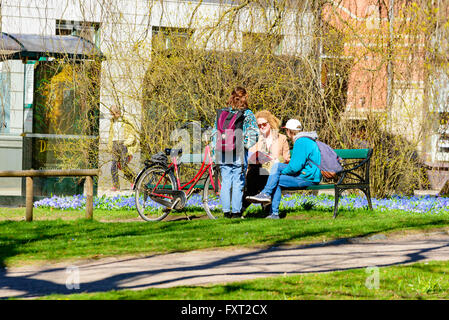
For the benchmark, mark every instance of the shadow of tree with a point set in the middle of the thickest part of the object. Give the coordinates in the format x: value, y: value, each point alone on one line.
x: 29, y: 286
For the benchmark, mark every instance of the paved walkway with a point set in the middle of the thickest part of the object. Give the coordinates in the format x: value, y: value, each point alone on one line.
x: 219, y: 266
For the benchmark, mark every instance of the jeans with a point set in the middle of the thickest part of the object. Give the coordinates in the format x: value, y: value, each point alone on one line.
x: 232, y: 185
x: 276, y: 180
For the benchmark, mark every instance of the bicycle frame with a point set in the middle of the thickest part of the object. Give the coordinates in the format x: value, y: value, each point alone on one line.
x: 206, y: 165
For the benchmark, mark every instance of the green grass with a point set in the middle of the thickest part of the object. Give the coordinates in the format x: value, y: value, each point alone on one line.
x: 52, y: 214
x: 69, y: 237
x: 428, y: 280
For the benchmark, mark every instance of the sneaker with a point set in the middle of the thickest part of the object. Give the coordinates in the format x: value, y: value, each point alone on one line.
x: 273, y: 216
x: 227, y: 215
x: 236, y: 215
x: 261, y: 197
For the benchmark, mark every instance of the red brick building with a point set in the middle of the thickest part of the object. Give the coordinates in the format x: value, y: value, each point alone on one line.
x: 399, y: 62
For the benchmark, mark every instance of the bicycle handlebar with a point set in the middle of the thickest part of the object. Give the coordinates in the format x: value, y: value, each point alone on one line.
x: 178, y: 152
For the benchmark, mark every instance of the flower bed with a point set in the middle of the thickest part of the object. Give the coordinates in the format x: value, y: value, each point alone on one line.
x: 421, y: 204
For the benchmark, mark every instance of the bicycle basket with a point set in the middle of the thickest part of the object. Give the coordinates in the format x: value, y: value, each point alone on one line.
x: 160, y: 158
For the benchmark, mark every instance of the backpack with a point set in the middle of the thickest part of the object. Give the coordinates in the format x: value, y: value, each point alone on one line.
x: 330, y: 161
x: 227, y: 124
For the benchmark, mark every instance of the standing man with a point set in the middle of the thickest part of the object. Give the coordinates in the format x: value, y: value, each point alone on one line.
x: 298, y: 173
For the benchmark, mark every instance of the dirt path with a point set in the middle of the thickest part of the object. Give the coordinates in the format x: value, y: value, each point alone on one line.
x: 219, y: 266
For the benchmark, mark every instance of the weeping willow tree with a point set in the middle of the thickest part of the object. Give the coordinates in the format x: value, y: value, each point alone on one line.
x: 272, y: 49
x: 305, y: 60
x: 359, y: 73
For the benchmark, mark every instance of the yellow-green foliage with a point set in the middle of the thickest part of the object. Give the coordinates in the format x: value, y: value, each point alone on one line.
x: 193, y: 76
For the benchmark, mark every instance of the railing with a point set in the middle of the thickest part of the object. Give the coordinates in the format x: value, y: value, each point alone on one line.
x: 30, y: 174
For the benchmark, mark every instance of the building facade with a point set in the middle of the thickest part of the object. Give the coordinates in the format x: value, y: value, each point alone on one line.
x: 398, y: 55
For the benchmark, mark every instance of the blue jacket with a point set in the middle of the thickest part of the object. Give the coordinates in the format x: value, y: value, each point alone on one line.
x: 303, y: 150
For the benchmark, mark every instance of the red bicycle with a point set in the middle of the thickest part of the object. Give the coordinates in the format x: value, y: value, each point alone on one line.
x: 159, y: 182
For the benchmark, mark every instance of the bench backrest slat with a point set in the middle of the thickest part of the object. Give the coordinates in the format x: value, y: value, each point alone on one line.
x: 352, y: 153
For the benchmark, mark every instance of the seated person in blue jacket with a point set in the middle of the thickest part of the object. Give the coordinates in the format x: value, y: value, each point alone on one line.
x: 298, y: 173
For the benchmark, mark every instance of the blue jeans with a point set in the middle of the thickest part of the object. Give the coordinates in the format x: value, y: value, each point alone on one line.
x: 232, y: 185
x: 276, y: 181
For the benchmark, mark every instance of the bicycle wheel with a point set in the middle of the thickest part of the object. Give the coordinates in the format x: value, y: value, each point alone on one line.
x: 211, y: 197
x: 153, y: 207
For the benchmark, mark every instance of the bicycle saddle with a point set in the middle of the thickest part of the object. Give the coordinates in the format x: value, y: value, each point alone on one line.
x: 159, y: 157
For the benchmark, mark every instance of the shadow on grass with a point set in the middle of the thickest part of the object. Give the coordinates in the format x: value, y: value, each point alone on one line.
x: 154, y: 272
x: 162, y: 271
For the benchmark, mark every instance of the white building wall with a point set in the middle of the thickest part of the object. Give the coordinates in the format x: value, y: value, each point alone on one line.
x: 16, y: 69
x: 28, y: 16
x: 11, y: 143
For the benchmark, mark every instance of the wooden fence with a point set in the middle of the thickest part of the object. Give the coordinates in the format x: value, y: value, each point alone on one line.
x: 30, y: 174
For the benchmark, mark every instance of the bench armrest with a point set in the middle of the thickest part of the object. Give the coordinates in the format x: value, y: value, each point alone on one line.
x: 364, y: 162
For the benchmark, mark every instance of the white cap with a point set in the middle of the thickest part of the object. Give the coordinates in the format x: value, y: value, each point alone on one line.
x: 293, y: 124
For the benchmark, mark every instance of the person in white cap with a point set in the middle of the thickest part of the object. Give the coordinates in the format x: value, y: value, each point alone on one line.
x: 298, y: 173
x: 293, y: 125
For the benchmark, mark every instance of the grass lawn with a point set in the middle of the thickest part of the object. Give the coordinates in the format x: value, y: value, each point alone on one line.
x: 428, y: 280
x: 57, y: 235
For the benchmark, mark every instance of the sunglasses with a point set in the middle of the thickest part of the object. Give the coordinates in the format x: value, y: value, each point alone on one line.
x: 262, y: 125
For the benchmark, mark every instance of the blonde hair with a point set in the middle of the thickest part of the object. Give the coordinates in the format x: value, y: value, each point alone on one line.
x: 271, y: 118
x: 115, y: 109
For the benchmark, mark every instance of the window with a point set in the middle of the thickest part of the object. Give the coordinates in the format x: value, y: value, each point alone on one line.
x: 87, y: 30
x: 439, y: 104
x: 164, y: 38
x: 65, y: 122
x: 262, y: 43
x: 443, y: 131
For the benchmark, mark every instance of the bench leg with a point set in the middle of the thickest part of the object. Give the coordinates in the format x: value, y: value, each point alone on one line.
x: 368, y: 197
x: 337, y: 197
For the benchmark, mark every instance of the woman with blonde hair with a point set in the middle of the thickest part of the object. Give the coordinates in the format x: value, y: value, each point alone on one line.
x: 270, y: 143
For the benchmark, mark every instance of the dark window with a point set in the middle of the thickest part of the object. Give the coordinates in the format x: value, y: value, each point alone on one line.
x: 164, y: 38
x: 87, y: 30
x: 443, y: 130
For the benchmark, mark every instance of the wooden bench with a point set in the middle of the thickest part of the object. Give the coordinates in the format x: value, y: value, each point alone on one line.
x: 356, y: 163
